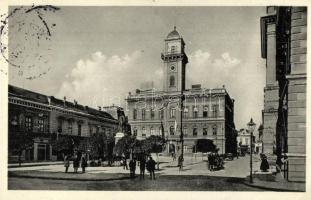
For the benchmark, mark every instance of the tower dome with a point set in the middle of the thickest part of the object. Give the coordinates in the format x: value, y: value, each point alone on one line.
x: 173, y: 35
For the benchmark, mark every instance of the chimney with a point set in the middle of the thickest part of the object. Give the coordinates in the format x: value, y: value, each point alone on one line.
x: 64, y: 101
x: 49, y: 100
x: 75, y: 102
x: 99, y: 108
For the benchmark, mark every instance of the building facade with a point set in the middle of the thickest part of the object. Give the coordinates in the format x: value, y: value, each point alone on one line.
x: 206, y: 113
x: 284, y: 46
x: 42, y: 117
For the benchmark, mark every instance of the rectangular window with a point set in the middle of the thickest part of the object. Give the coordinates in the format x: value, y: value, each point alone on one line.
x: 214, y: 130
x: 185, y: 131
x: 79, y: 129
x: 151, y: 113
x: 135, y: 132
x: 185, y: 113
x: 152, y: 131
x: 173, y: 113
x: 70, y: 127
x: 205, y: 111
x: 28, y: 123
x: 173, y: 49
x: 204, y: 131
x: 143, y: 114
x: 143, y: 132
x: 195, y: 112
x: 195, y: 131
x: 161, y: 114
x: 215, y: 109
x: 41, y: 125
x: 134, y: 114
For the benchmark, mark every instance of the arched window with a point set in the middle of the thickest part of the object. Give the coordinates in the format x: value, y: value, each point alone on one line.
x: 172, y: 81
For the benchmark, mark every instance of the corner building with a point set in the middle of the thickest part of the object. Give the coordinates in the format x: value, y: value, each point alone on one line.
x: 284, y: 46
x: 207, y: 113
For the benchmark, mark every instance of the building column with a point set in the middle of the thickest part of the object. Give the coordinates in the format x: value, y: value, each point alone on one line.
x: 35, y: 152
x: 271, y: 91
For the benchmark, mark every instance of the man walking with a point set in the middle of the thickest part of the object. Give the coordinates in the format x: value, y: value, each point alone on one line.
x: 83, y: 163
x: 142, y: 167
x: 132, y: 166
x: 66, y: 163
x: 151, y: 167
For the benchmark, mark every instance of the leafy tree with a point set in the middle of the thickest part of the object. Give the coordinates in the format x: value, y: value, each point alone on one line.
x: 129, y: 145
x: 63, y: 145
x: 205, y: 145
x: 154, y: 144
x: 20, y: 142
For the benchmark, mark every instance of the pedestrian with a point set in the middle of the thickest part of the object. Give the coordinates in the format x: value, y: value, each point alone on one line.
x: 66, y: 163
x: 124, y: 163
x: 76, y: 163
x: 264, y: 166
x: 142, y: 167
x: 132, y: 166
x: 174, y: 156
x: 180, y: 162
x: 83, y: 163
x: 151, y: 167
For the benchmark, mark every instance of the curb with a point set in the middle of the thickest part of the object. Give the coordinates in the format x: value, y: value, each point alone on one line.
x: 33, y: 165
x: 69, y: 179
x: 246, y: 182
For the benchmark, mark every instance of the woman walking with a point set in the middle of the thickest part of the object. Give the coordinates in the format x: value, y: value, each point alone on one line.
x: 66, y: 163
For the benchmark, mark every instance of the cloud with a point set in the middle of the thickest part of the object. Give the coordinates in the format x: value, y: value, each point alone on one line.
x: 210, y: 72
x: 102, y: 80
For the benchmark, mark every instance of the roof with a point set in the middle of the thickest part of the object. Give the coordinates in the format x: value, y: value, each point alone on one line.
x: 173, y: 35
x: 41, y: 98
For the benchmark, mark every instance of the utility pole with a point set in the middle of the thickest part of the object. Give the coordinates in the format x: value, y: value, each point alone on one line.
x: 181, y: 131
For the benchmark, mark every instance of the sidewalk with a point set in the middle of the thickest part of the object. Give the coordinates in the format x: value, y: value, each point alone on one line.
x: 277, y: 185
x: 32, y: 164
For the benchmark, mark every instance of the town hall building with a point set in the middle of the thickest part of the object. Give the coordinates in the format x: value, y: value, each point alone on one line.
x: 207, y: 113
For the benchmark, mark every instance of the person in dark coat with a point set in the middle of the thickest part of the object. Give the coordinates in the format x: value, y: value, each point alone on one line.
x: 66, y: 163
x: 83, y: 163
x: 180, y: 162
x: 124, y: 163
x: 76, y: 163
x: 142, y: 167
x: 264, y: 166
x: 151, y: 167
x: 132, y: 166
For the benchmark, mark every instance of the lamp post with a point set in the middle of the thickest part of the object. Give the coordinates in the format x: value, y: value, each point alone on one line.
x: 251, y: 127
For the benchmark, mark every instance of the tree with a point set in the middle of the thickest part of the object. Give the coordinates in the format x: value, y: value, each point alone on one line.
x: 63, y: 145
x: 205, y: 145
x: 19, y: 142
x: 154, y: 144
x: 98, y: 145
x: 129, y: 146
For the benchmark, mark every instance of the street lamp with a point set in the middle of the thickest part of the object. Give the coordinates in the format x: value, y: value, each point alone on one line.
x: 251, y: 127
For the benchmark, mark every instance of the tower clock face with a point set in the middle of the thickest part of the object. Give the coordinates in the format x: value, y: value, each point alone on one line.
x: 173, y: 67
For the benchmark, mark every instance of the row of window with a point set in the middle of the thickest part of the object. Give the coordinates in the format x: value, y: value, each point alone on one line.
x: 172, y: 131
x: 173, y: 113
x: 29, y: 124
x: 92, y: 130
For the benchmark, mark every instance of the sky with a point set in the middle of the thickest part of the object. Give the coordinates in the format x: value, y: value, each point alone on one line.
x: 96, y: 55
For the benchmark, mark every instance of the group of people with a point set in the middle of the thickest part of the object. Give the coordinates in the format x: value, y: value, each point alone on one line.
x: 76, y: 162
x: 143, y: 164
x: 215, y: 161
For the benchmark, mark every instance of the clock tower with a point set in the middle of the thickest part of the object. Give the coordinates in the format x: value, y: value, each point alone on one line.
x: 175, y: 61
